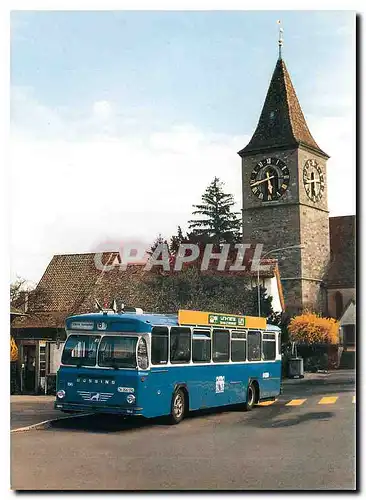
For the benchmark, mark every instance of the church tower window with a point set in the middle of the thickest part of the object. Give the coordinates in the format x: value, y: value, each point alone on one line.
x: 338, y: 298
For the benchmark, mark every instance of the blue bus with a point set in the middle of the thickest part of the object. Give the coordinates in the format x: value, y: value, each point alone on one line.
x: 132, y: 363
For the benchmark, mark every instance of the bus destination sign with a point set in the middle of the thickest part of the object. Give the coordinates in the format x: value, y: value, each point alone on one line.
x: 186, y: 317
x: 226, y: 320
x: 82, y: 325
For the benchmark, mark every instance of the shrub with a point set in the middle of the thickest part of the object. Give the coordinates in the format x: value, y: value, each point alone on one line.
x: 309, y: 328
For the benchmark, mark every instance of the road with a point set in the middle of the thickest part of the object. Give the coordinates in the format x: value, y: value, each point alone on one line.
x: 301, y: 441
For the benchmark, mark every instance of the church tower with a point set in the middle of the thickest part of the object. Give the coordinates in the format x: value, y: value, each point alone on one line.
x: 284, y: 185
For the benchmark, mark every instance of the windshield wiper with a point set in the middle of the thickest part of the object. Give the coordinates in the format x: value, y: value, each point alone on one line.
x: 81, y: 365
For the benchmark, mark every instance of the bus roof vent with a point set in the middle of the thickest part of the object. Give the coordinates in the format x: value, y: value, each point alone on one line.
x: 119, y: 307
x: 136, y: 310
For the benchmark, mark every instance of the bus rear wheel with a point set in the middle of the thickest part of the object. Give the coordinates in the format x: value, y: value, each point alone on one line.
x: 251, y: 397
x: 177, y: 407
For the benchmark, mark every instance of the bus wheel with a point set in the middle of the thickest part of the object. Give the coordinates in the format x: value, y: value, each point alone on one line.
x: 251, y: 397
x: 178, y: 407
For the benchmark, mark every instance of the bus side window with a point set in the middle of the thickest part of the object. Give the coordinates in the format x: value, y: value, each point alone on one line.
x: 254, y: 345
x: 269, y: 346
x: 159, y: 345
x: 180, y: 344
x: 238, y: 345
x: 221, y: 345
x: 201, y: 346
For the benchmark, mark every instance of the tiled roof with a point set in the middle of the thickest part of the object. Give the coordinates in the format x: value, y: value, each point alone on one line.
x: 15, y: 312
x: 341, y: 272
x: 71, y: 283
x: 281, y: 122
x: 39, y: 319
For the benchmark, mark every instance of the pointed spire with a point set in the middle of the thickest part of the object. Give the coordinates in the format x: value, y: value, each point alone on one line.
x: 280, y: 40
x: 281, y: 123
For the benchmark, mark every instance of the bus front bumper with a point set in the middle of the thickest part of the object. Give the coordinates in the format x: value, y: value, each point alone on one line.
x: 77, y: 407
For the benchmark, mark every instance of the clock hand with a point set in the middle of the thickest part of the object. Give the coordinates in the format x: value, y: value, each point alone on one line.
x: 270, y: 188
x: 263, y: 180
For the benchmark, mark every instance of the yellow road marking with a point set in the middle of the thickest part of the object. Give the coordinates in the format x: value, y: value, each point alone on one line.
x: 354, y: 399
x: 266, y: 403
x: 328, y: 400
x: 295, y: 402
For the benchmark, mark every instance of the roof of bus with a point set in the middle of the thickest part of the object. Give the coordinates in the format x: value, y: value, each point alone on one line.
x: 148, y: 318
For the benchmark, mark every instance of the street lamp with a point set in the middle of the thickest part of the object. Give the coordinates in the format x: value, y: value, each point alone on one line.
x: 292, y: 247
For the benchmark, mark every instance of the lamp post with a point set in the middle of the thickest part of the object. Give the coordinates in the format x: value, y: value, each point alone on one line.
x: 292, y: 247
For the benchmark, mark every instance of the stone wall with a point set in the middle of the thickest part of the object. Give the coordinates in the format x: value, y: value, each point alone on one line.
x: 292, y: 220
x: 347, y: 295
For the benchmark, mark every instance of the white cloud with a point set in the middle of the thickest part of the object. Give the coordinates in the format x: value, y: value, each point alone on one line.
x: 75, y: 196
x: 336, y: 136
x: 102, y: 110
x: 30, y: 117
x: 180, y: 139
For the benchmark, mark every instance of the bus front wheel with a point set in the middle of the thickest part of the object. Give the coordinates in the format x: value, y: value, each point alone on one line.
x: 178, y: 407
x: 251, y: 397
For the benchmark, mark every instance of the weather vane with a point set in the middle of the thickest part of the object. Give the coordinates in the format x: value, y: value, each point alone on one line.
x: 280, y: 39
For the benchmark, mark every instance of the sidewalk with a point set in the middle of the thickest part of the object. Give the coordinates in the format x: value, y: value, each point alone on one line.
x: 333, y: 376
x: 29, y: 410
x: 28, y: 398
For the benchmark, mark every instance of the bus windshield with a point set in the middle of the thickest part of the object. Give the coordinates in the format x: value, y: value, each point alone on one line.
x: 117, y: 352
x: 80, y: 350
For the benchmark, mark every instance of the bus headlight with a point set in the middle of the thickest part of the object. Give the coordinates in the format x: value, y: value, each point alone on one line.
x: 61, y: 394
x: 131, y: 398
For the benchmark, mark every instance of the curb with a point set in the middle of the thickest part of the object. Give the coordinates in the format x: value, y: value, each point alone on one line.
x: 46, y: 424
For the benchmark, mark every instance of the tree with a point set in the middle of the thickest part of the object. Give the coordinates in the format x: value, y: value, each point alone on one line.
x: 309, y: 328
x: 220, y: 224
x: 158, y: 241
x: 266, y: 303
x: 176, y: 240
x: 24, y: 295
x: 192, y: 289
x: 16, y: 288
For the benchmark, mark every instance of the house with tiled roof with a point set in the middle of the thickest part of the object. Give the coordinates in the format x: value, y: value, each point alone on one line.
x: 72, y: 283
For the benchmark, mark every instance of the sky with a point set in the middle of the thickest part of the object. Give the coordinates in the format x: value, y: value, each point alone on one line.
x: 120, y: 119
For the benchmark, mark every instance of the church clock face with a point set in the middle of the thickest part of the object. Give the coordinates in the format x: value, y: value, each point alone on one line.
x: 270, y: 179
x: 313, y: 180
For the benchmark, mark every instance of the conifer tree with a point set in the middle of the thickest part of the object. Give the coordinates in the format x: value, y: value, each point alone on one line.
x: 158, y: 241
x: 176, y: 240
x: 219, y: 224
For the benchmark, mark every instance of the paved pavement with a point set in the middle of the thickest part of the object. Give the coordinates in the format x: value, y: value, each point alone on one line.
x: 304, y: 440
x: 29, y: 410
